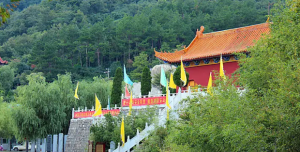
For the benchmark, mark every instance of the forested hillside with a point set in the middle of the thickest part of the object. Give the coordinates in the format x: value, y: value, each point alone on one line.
x: 86, y: 36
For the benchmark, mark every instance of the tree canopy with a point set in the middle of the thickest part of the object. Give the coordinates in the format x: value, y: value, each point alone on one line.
x: 117, y: 87
x: 146, y: 81
x: 177, y: 77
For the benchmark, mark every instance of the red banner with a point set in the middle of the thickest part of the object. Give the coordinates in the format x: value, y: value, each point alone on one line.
x: 144, y: 101
x: 86, y: 114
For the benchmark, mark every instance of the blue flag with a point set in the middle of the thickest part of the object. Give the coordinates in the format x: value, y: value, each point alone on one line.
x: 126, y: 78
x: 163, y: 79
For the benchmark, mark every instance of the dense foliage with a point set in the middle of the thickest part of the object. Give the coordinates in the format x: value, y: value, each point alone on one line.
x: 7, y: 127
x: 117, y: 87
x: 6, y: 81
x: 46, y: 108
x: 272, y: 76
x: 146, y: 81
x: 140, y: 62
x: 44, y: 111
x: 108, y: 130
x: 262, y: 117
x: 155, y: 141
x: 85, y: 37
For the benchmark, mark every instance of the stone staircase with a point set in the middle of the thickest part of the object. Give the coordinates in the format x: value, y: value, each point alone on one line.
x: 78, y: 135
x: 174, y: 101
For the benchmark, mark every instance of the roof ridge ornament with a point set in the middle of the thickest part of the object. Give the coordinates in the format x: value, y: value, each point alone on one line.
x: 200, y: 33
x: 268, y: 20
x: 184, y: 49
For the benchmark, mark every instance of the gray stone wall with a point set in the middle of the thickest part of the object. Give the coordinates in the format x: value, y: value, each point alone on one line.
x: 78, y: 135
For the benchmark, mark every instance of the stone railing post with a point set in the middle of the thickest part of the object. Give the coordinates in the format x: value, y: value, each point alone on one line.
x: 55, y: 147
x: 32, y: 145
x: 44, y: 145
x: 38, y: 144
x: 60, y: 142
x: 72, y: 113
x: 65, y: 141
x: 128, y: 144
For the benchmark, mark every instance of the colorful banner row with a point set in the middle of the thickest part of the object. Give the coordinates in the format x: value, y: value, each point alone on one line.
x: 86, y: 114
x: 144, y: 101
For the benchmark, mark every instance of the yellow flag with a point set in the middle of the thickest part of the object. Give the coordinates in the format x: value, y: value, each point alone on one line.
x: 167, y: 96
x: 172, y: 84
x: 76, y: 95
x: 168, y: 114
x: 130, y: 105
x: 209, y: 86
x: 182, y: 74
x: 222, y: 75
x: 123, y: 132
x: 98, y: 109
x: 97, y: 103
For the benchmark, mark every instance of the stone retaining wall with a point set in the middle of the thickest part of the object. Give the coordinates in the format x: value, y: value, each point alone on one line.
x: 78, y: 135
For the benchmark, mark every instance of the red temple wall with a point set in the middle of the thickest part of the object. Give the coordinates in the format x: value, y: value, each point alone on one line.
x: 200, y: 74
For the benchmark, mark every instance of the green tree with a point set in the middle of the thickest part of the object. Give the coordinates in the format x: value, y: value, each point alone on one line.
x: 117, y: 87
x: 64, y: 86
x: 177, y: 76
x: 7, y: 74
x: 139, y: 63
x: 7, y: 128
x: 45, y: 54
x: 273, y: 82
x: 99, y: 86
x: 6, y: 83
x: 146, y: 81
x: 219, y: 122
x: 38, y: 113
x: 113, y: 67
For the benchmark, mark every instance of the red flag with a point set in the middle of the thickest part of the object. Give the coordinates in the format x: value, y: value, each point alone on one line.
x: 127, y: 94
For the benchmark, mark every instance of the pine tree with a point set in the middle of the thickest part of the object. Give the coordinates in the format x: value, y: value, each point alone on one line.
x: 146, y: 81
x: 117, y: 87
x: 176, y: 77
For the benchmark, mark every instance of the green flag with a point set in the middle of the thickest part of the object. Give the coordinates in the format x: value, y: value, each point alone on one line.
x: 163, y: 79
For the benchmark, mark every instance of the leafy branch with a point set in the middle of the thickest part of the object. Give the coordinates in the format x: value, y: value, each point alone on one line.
x: 5, y: 11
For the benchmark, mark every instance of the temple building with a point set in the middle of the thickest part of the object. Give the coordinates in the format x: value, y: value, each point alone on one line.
x: 202, y: 56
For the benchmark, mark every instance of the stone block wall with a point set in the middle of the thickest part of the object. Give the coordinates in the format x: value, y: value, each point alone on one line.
x: 78, y: 135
